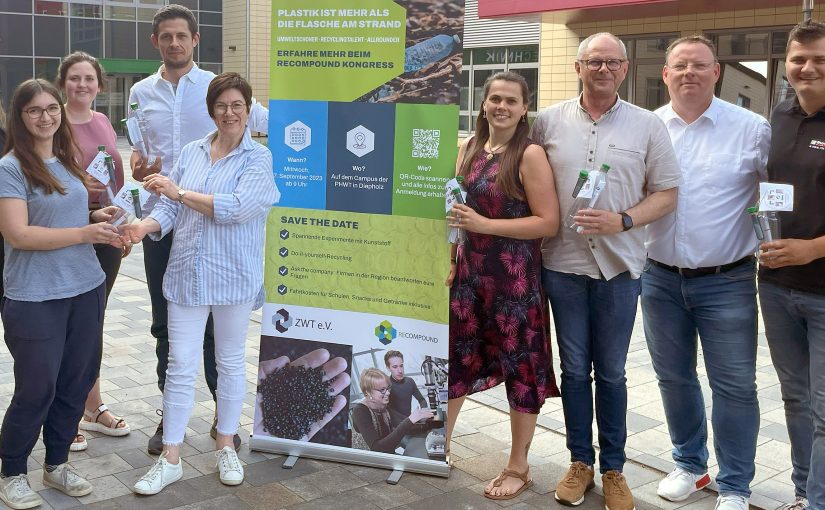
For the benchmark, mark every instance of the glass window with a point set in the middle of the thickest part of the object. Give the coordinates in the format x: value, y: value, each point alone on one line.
x: 780, y: 41
x: 192, y: 4
x: 13, y: 71
x: 120, y: 39
x: 57, y: 43
x: 652, y: 48
x: 531, y: 74
x: 212, y: 5
x: 523, y: 54
x: 782, y: 89
x: 15, y: 6
x: 215, y: 68
x: 211, y: 18
x: 46, y: 68
x: 17, y: 35
x: 86, y: 11
x: 86, y: 35
x: 144, y: 45
x: 479, y: 77
x: 742, y: 44
x: 53, y: 8
x: 119, y: 12
x: 146, y: 14
x: 747, y: 79
x: 464, y: 90
x: 482, y: 56
x: 210, y: 45
x: 651, y: 91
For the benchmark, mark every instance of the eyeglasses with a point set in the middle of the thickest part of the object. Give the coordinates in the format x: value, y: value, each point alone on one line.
x: 236, y: 107
x: 594, y: 64
x: 35, y: 112
x: 699, y: 67
x: 383, y: 391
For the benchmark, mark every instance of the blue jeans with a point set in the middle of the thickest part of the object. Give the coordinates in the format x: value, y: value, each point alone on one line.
x: 594, y: 320
x: 721, y: 308
x: 795, y: 327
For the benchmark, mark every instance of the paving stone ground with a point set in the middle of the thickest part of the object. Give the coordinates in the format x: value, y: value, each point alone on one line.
x: 480, y: 448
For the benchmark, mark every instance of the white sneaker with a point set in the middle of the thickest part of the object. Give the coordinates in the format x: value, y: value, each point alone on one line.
x: 159, y: 476
x: 731, y: 502
x: 16, y: 493
x: 680, y: 484
x: 229, y: 467
x: 799, y: 503
x: 67, y: 481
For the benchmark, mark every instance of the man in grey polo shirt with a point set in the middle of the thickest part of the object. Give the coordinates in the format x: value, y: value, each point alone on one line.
x: 592, y: 276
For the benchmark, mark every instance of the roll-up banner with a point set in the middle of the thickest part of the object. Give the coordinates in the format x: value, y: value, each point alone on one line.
x: 363, y: 131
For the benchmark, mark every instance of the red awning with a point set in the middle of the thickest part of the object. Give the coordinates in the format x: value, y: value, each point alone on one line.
x: 493, y: 8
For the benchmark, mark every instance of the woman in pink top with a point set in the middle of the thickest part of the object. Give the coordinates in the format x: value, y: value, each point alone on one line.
x: 80, y: 77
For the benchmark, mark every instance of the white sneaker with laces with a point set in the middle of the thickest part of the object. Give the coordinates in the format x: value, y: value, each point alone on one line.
x: 67, y: 480
x: 229, y: 466
x: 799, y: 503
x: 731, y: 502
x: 680, y: 484
x: 159, y: 476
x: 16, y: 493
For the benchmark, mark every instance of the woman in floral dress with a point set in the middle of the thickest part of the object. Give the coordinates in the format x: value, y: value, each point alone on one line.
x: 498, y: 311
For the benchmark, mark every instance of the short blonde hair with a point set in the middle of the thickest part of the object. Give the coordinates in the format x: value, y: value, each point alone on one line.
x: 370, y: 377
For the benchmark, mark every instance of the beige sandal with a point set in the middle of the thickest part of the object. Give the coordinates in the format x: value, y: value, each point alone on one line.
x: 508, y: 473
x: 94, y: 424
x: 79, y: 444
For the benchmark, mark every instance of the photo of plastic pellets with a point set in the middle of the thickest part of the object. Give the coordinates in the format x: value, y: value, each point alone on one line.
x: 432, y: 58
x: 303, y: 387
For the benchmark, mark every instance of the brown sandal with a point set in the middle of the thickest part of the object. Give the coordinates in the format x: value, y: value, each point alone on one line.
x: 508, y: 473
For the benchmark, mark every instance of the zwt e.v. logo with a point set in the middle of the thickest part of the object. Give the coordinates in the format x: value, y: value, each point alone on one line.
x: 282, y: 320
x: 385, y: 332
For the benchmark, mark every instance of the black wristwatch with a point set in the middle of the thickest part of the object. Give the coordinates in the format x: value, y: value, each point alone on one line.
x: 627, y: 222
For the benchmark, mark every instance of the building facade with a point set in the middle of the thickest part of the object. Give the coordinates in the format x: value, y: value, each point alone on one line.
x: 750, y: 36
x: 36, y: 34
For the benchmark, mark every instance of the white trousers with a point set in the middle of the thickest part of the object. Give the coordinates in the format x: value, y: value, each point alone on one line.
x: 186, y: 327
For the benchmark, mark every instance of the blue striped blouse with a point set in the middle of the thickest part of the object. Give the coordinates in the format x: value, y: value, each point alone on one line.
x: 218, y: 261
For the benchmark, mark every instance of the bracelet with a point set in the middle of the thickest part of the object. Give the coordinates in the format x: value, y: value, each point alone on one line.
x: 453, y: 261
x: 91, y: 211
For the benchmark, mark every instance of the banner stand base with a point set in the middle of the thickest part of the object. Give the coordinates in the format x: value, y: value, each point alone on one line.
x: 397, y: 463
x: 395, y: 476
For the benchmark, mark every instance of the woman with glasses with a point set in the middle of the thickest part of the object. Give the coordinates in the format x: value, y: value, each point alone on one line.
x: 54, y: 292
x: 80, y: 77
x: 216, y: 199
x: 383, y: 428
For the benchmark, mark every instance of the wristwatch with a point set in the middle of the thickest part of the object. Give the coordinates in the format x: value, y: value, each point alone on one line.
x: 627, y: 222
x: 181, y: 194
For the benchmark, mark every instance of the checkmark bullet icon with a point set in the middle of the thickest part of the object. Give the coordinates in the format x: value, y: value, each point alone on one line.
x: 283, y: 252
x: 282, y: 289
x: 283, y: 270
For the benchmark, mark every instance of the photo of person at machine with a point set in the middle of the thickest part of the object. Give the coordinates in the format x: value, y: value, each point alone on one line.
x: 379, y: 427
x: 403, y: 388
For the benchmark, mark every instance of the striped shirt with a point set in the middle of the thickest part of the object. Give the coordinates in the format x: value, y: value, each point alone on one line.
x: 218, y: 261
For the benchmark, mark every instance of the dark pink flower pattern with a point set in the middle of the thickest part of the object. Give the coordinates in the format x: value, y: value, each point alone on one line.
x: 499, y: 317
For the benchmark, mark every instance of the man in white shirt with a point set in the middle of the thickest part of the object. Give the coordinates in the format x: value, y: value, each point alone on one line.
x: 700, y: 279
x: 174, y: 103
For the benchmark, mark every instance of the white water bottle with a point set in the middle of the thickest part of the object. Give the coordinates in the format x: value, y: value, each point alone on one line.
x: 587, y: 196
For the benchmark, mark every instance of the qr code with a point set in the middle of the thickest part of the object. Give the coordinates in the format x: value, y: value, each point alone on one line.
x: 425, y: 143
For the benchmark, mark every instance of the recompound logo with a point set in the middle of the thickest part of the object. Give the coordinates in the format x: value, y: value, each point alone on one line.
x: 385, y: 332
x: 282, y: 320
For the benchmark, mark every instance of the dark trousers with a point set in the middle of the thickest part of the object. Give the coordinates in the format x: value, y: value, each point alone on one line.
x: 56, y: 350
x: 109, y: 258
x: 155, y: 260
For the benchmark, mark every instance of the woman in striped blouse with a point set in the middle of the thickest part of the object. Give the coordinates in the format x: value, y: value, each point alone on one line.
x: 216, y: 199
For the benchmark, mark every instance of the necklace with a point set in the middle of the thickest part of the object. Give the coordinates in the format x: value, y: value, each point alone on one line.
x: 491, y: 150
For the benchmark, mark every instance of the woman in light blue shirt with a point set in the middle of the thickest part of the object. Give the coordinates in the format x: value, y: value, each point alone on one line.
x: 216, y: 198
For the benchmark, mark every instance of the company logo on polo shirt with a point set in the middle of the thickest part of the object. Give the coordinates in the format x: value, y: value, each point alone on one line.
x: 386, y: 333
x: 817, y: 144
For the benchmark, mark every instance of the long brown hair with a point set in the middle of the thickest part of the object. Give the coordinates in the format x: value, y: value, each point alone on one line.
x: 21, y: 142
x: 507, y: 177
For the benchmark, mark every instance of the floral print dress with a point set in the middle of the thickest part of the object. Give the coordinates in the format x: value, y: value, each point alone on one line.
x: 499, y: 316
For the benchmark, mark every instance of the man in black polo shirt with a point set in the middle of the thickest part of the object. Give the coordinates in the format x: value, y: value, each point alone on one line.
x: 792, y: 273
x: 403, y: 388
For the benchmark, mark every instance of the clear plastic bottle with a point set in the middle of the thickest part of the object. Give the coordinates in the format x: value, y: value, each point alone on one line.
x: 457, y: 235
x: 589, y: 191
x: 111, y: 189
x: 431, y: 50
x: 136, y: 129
